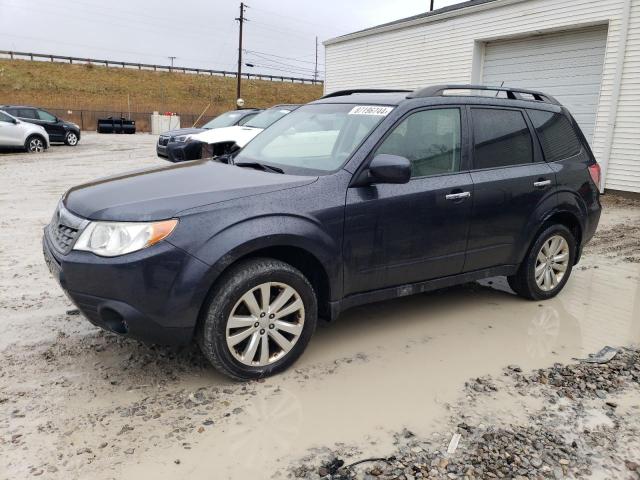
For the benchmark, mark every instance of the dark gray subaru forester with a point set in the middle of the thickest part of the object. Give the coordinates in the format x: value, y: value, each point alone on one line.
x: 358, y: 197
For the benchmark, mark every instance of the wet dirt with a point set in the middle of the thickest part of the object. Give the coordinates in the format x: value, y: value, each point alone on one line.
x: 76, y: 402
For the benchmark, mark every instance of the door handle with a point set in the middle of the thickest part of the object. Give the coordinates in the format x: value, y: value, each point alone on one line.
x: 542, y: 183
x: 458, y: 196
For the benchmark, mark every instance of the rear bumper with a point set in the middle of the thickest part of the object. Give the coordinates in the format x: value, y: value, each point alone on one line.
x: 593, y: 219
x: 153, y: 295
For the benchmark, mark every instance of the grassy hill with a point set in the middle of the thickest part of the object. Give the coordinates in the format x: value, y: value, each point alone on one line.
x: 62, y: 88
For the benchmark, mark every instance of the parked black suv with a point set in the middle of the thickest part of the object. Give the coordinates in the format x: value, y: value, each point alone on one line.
x: 60, y: 131
x: 357, y: 197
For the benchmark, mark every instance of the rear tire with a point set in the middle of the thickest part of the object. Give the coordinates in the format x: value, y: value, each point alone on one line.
x: 259, y: 319
x: 71, y: 139
x: 35, y: 144
x: 547, y: 266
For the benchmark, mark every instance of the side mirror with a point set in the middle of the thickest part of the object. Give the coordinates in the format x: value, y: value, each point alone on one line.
x: 389, y: 169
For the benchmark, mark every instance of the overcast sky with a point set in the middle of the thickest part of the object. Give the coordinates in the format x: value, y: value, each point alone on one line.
x: 280, y: 34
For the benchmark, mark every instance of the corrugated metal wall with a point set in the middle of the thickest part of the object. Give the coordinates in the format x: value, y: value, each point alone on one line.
x: 443, y: 50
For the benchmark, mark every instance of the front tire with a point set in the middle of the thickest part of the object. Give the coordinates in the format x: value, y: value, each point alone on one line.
x: 35, y: 144
x: 259, y: 319
x: 71, y: 139
x: 548, y: 265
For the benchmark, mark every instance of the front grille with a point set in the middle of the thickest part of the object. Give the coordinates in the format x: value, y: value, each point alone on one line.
x: 64, y: 237
x: 163, y: 141
x: 64, y: 229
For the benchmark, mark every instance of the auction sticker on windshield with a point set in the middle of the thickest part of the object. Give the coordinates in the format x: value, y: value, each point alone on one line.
x: 370, y: 110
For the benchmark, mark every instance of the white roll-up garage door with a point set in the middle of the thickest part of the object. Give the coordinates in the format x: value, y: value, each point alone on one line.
x: 567, y: 65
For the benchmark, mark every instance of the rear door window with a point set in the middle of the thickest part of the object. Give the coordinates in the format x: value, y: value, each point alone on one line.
x: 557, y: 136
x: 27, y: 113
x: 501, y: 138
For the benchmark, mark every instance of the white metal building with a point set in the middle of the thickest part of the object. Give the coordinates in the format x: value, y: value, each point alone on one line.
x: 584, y: 52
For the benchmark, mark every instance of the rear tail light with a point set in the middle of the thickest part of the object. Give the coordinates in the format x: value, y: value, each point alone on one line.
x: 595, y: 172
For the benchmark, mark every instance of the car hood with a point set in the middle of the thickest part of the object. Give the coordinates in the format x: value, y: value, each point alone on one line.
x: 182, y: 131
x: 238, y: 134
x: 161, y: 193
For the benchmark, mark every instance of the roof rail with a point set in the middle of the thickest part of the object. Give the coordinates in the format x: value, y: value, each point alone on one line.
x: 512, y: 93
x: 341, y: 93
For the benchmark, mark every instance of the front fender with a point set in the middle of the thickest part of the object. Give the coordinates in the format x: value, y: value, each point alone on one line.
x: 257, y: 233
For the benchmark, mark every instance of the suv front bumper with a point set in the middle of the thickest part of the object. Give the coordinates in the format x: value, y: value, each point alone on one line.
x: 151, y: 295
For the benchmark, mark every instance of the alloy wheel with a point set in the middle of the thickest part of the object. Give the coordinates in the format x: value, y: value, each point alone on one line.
x: 36, y: 145
x: 552, y: 263
x: 72, y: 139
x: 265, y: 324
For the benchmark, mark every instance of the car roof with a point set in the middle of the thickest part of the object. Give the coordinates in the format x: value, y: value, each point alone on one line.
x: 18, y: 106
x: 435, y: 96
x: 369, y: 98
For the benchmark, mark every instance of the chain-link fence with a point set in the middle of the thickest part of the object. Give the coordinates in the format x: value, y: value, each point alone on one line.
x: 88, y: 119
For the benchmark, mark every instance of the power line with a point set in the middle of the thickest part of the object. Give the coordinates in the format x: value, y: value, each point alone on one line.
x: 278, y: 56
x: 273, y: 68
x: 281, y: 32
x: 298, y: 67
x: 297, y: 19
x: 133, y: 19
x: 289, y: 68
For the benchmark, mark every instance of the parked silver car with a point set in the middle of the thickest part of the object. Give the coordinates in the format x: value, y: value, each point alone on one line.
x: 15, y: 133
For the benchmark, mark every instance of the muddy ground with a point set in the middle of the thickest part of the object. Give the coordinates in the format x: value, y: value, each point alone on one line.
x: 391, y: 379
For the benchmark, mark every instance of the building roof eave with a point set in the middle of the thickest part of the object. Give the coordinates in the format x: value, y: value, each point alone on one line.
x: 459, y: 9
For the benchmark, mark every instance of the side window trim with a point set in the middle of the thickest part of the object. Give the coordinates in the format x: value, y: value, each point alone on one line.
x: 536, y: 148
x: 464, y: 138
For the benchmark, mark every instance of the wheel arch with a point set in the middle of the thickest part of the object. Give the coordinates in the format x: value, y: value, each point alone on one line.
x: 569, y: 219
x: 312, y: 260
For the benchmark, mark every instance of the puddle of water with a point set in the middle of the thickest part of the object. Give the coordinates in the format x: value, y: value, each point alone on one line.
x: 419, y: 352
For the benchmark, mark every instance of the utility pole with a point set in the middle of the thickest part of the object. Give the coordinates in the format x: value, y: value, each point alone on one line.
x: 241, y: 20
x: 431, y: 6
x: 172, y: 59
x: 315, y: 71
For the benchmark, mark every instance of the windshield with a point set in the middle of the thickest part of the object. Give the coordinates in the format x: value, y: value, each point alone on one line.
x: 225, y: 120
x: 318, y: 137
x: 266, y: 118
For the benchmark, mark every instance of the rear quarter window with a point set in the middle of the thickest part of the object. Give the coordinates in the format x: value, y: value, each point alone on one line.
x: 557, y: 136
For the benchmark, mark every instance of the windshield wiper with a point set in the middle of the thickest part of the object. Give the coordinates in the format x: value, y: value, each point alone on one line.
x: 260, y: 166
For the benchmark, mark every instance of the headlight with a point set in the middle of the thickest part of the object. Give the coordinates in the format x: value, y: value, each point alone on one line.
x: 110, y: 239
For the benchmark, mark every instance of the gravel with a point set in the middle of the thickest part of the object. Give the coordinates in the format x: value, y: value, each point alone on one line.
x: 556, y: 441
